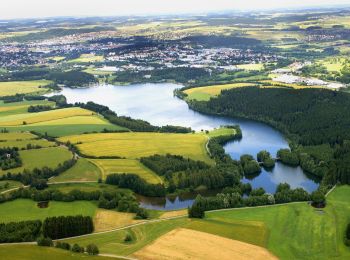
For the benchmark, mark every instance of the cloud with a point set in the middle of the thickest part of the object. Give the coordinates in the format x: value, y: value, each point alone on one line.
x: 48, y: 8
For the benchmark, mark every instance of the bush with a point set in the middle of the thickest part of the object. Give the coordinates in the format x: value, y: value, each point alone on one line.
x: 128, y: 238
x: 347, y: 235
x: 63, y: 245
x: 77, y: 249
x: 92, y: 249
x: 44, y: 241
x: 318, y: 197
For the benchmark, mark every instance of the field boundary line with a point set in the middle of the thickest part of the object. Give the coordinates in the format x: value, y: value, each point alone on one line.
x: 331, y: 190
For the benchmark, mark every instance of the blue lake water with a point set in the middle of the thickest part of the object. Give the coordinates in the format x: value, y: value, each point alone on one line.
x: 156, y: 104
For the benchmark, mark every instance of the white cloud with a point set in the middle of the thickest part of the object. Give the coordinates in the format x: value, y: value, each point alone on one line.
x: 48, y: 8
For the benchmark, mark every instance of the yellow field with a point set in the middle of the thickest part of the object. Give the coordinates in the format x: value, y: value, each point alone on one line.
x: 257, y: 66
x: 280, y: 84
x: 205, y: 93
x: 181, y: 244
x: 174, y: 213
x: 22, y: 87
x: 84, y: 58
x: 108, y: 219
x: 31, y: 118
x: 136, y: 145
x: 16, y: 136
x: 109, y: 166
x: 23, y: 143
x: 75, y: 120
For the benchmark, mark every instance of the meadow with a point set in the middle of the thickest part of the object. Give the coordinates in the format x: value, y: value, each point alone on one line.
x: 21, y: 107
x: 109, y: 166
x: 23, y: 209
x: 87, y: 58
x: 23, y: 87
x: 8, y: 185
x: 83, y: 170
x: 205, y: 93
x: 135, y: 145
x: 84, y: 186
x: 34, y: 252
x: 38, y: 158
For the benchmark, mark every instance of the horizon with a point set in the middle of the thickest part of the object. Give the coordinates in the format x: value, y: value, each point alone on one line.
x: 41, y: 9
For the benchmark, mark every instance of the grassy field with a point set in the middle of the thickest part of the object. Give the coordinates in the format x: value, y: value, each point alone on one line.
x: 108, y: 219
x: 23, y: 209
x: 306, y: 233
x: 7, y: 109
x: 23, y: 144
x: 86, y: 58
x: 83, y: 170
x: 23, y: 87
x: 108, y: 166
x: 39, y: 158
x: 205, y: 93
x: 33, y: 252
x: 222, y: 131
x: 136, y: 145
x: 7, y: 185
x: 257, y: 66
x: 32, y: 118
x: 87, y: 187
x: 9, y: 137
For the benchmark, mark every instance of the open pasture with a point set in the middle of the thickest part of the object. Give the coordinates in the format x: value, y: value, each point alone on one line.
x: 109, y: 219
x: 83, y: 186
x: 205, y: 93
x: 22, y: 144
x: 135, y: 145
x: 31, y: 118
x: 21, y: 107
x: 109, y: 166
x: 189, y: 244
x: 38, y: 158
x: 253, y: 66
x: 8, y: 185
x: 24, y: 209
x: 83, y: 170
x: 23, y: 87
x: 87, y: 58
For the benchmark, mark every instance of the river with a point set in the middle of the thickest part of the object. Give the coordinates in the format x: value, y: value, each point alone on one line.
x: 156, y: 104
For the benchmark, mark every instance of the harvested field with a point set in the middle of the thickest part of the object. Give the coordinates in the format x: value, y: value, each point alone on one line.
x: 108, y: 219
x: 188, y: 244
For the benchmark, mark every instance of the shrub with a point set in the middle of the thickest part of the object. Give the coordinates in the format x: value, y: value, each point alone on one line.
x: 92, y: 249
x: 63, y: 245
x: 77, y: 249
x: 44, y: 241
x: 128, y: 238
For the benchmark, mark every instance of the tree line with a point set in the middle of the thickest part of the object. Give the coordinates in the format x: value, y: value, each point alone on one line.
x: 9, y: 158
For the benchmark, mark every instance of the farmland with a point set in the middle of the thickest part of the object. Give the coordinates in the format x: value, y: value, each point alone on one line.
x: 108, y: 166
x: 23, y: 87
x: 22, y: 209
x: 205, y: 93
x: 39, y: 158
x: 20, y: 107
x: 136, y: 145
x: 87, y: 58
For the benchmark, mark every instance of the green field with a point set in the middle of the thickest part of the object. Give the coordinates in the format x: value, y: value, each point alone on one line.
x: 39, y: 158
x: 23, y: 87
x: 257, y: 66
x: 23, y: 209
x: 33, y: 252
x: 222, y: 131
x: 87, y: 58
x: 109, y: 166
x: 83, y: 170
x: 23, y: 144
x: 7, y: 109
x: 136, y: 145
x: 86, y: 187
x: 205, y: 93
x: 8, y: 185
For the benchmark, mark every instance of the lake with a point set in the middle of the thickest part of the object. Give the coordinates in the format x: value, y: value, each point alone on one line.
x: 157, y: 104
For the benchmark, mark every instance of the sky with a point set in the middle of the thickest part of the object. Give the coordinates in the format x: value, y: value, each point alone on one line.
x: 10, y: 9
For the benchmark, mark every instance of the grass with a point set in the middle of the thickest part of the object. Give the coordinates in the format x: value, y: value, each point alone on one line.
x: 23, y: 209
x: 16, y: 136
x: 9, y: 184
x: 95, y: 71
x: 136, y: 145
x: 87, y: 58
x: 108, y: 219
x: 87, y: 187
x: 83, y: 170
x: 23, y: 87
x: 306, y: 233
x: 109, y: 166
x: 205, y: 93
x: 253, y: 66
x: 39, y: 158
x: 33, y: 252
x: 222, y: 131
x: 31, y: 118
x: 23, y: 144
x: 21, y: 107
x: 113, y: 242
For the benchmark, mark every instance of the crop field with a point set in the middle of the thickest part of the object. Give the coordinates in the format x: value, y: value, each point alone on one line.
x: 83, y: 170
x: 22, y: 139
x: 307, y: 233
x: 34, y: 252
x: 205, y: 93
x: 19, y: 136
x: 39, y: 158
x: 184, y: 243
x: 86, y: 187
x: 108, y: 219
x: 23, y: 87
x: 109, y: 166
x: 20, y: 107
x: 333, y: 64
x: 136, y: 145
x: 86, y: 58
x: 286, y: 85
x: 23, y: 209
x: 253, y: 66
x: 31, y: 118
